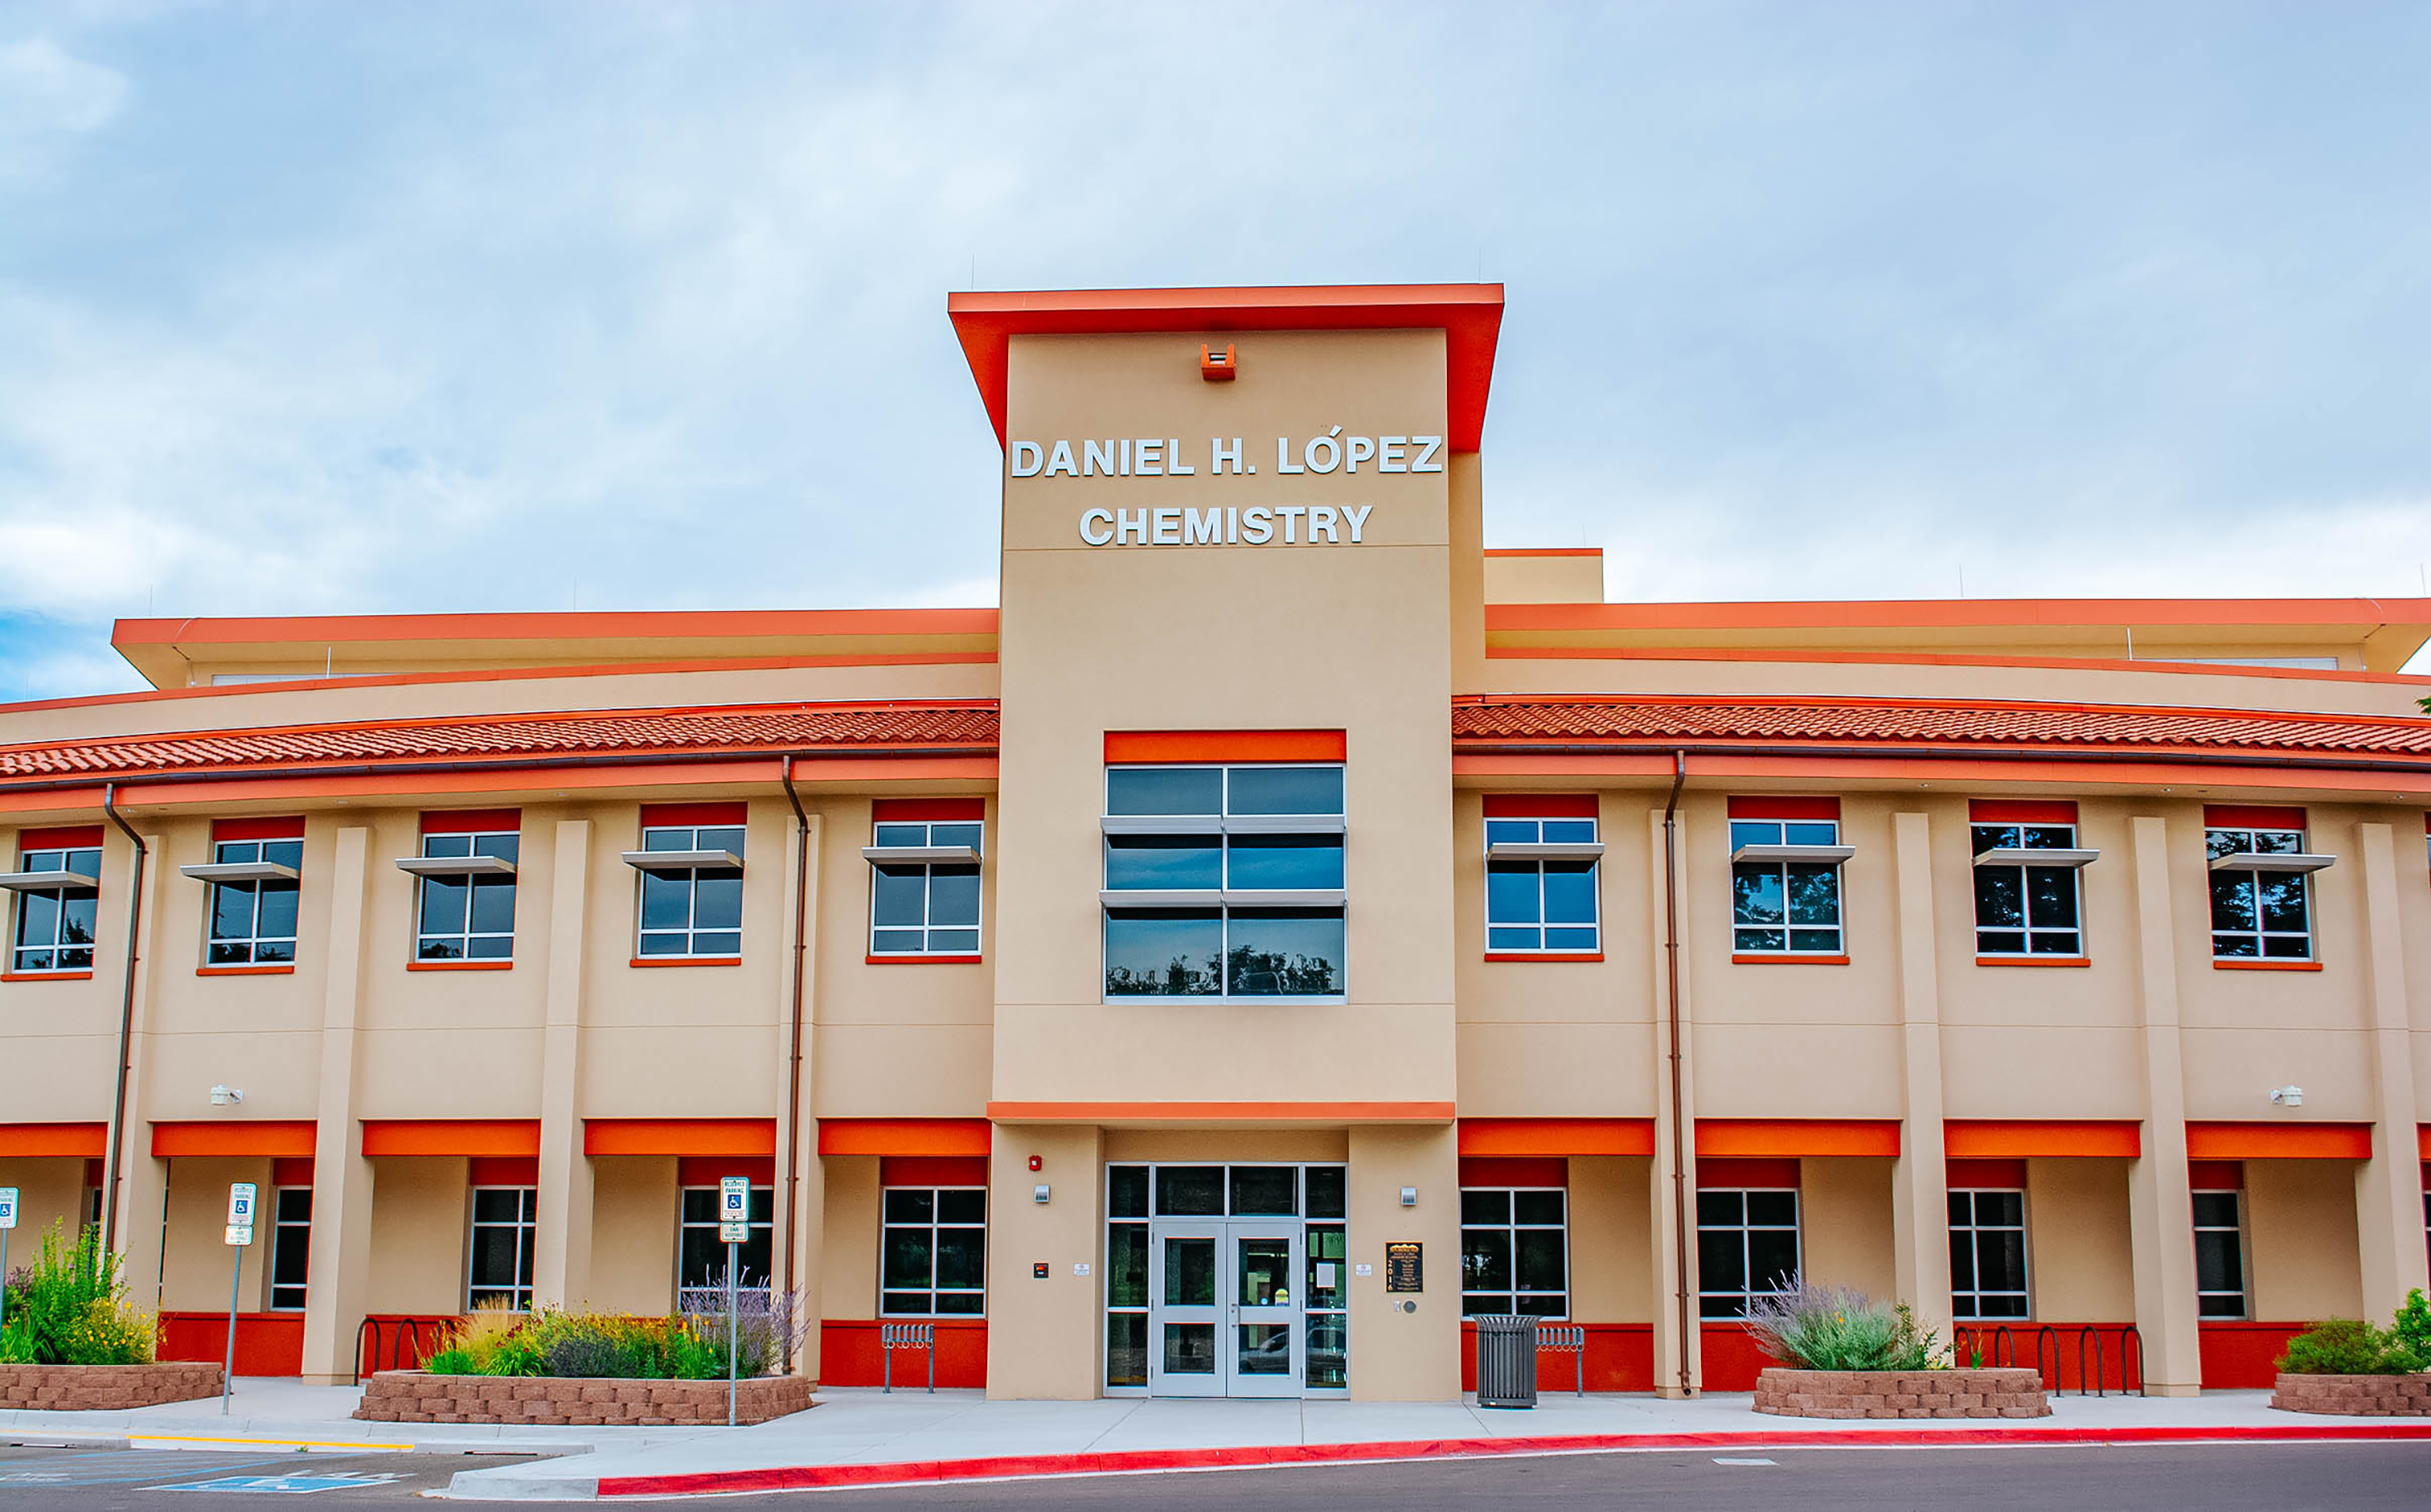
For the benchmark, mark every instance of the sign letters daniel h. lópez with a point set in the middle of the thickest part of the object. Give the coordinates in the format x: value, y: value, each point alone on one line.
x: 1326, y: 454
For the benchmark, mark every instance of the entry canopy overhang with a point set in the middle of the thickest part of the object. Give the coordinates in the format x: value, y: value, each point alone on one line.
x: 1468, y: 314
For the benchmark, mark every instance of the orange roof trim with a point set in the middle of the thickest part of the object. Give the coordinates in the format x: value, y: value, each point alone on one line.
x: 1468, y: 314
x: 931, y: 1137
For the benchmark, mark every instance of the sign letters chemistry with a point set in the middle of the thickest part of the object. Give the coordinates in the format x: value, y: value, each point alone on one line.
x: 1227, y: 524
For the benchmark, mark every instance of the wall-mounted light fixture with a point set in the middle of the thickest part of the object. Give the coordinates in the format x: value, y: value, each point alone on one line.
x: 1038, y: 1193
x: 1219, y: 367
x: 224, y: 1095
x: 1409, y: 1197
x: 2287, y: 1096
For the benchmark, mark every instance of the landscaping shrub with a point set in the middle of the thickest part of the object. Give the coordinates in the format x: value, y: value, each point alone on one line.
x: 2349, y: 1346
x: 1840, y: 1328
x: 555, y: 1343
x: 69, y: 1307
x: 767, y: 1327
x: 2412, y: 1325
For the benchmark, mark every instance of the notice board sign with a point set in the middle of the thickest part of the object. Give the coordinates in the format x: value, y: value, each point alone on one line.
x: 1405, y: 1266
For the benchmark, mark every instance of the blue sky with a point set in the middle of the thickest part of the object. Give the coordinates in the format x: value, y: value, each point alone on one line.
x: 386, y: 307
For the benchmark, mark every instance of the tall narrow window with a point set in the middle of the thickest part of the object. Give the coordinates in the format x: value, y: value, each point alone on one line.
x: 1515, y: 1251
x: 2261, y: 890
x: 691, y: 863
x: 933, y: 1258
x: 506, y: 1226
x: 1224, y: 881
x: 1785, y: 856
x: 466, y: 886
x: 1746, y: 1247
x: 1542, y: 866
x: 291, y: 1246
x: 58, y: 884
x: 1988, y: 1254
x: 253, y: 873
x: 2220, y: 1253
x: 701, y: 1260
x: 2026, y: 895
x: 924, y: 887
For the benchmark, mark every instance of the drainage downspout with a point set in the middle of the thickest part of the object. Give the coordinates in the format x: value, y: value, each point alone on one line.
x: 110, y: 1161
x: 793, y: 1057
x: 1679, y: 1123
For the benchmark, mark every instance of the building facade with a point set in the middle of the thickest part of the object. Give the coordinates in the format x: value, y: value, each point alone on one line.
x: 1283, y: 930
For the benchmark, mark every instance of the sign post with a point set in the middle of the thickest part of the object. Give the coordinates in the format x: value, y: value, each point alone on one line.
x: 240, y: 1234
x: 7, y: 1222
x: 733, y: 1226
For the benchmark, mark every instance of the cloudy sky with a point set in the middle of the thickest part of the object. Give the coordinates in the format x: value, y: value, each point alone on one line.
x: 367, y: 307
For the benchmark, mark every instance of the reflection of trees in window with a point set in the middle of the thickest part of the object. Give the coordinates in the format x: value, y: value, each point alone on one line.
x: 1178, y: 978
x: 1274, y: 972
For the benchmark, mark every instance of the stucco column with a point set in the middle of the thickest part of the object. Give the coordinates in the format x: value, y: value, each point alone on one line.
x: 1047, y: 1333
x: 142, y: 1187
x: 561, y: 1246
x: 338, y: 1267
x: 2388, y: 1186
x: 1919, y: 1179
x: 798, y: 1127
x: 1674, y: 1183
x: 1400, y: 1352
x: 2160, y: 1210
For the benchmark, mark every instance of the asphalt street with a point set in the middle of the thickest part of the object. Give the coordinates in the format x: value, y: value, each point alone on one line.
x: 2075, y: 1479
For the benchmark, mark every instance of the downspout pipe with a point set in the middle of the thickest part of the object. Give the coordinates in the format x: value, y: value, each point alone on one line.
x: 1684, y: 1235
x: 113, y: 1159
x: 794, y: 1056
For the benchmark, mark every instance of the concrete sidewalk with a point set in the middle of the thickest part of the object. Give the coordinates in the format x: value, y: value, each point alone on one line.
x: 278, y: 1412
x: 861, y: 1437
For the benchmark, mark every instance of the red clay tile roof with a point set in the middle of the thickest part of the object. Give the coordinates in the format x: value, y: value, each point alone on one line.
x: 1665, y: 723
x: 964, y: 728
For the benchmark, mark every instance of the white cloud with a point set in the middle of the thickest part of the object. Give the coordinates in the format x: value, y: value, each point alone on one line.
x: 45, y: 94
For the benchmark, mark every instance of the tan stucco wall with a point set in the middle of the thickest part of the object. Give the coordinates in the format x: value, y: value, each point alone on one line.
x: 48, y: 1192
x: 1844, y: 1206
x: 195, y: 1265
x: 1612, y: 1246
x: 2300, y: 1227
x: 633, y: 1233
x: 850, y: 1245
x: 2078, y: 1258
x: 420, y: 1235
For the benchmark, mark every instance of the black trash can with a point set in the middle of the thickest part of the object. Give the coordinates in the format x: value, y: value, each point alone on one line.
x: 1506, y: 1360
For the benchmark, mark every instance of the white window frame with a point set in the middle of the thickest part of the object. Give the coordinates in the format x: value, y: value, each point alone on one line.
x: 1225, y: 900
x: 881, y: 841
x: 1755, y: 1287
x: 281, y: 1226
x: 2236, y: 1237
x: 473, y: 839
x: 2246, y: 839
x: 1537, y: 834
x: 2027, y: 926
x: 225, y: 852
x: 692, y: 930
x: 1974, y: 1225
x: 56, y: 858
x: 753, y: 1227
x: 933, y: 1291
x: 526, y: 1229
x: 1511, y: 1227
x: 1788, y: 929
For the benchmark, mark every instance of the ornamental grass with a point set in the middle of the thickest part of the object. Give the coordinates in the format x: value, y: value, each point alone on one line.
x: 688, y: 1345
x: 69, y: 1306
x: 1840, y: 1328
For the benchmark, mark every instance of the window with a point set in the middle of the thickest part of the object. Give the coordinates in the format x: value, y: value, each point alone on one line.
x: 253, y: 919
x: 505, y: 1224
x: 469, y: 914
x: 2220, y: 1254
x: 1746, y: 1247
x: 2022, y: 908
x: 924, y: 899
x: 692, y: 910
x: 935, y: 1251
x: 290, y: 1245
x: 1988, y: 1254
x: 1224, y: 881
x: 1515, y: 1251
x: 700, y: 1254
x: 1541, y: 861
x: 61, y: 877
x: 1786, y: 859
x: 2259, y: 911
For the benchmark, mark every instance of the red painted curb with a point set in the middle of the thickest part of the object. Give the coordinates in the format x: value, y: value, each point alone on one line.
x: 808, y: 1477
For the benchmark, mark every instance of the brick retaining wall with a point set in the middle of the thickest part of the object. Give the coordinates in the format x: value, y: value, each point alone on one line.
x: 104, y: 1388
x: 2357, y: 1396
x: 1902, y: 1394
x: 417, y: 1396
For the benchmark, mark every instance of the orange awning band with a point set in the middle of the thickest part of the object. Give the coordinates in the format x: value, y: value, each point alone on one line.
x: 680, y: 1136
x: 2278, y: 1141
x: 1797, y: 1136
x: 2012, y: 1138
x: 451, y: 1136
x: 254, y: 1138
x: 48, y: 1140
x: 1519, y: 1137
x: 903, y: 1136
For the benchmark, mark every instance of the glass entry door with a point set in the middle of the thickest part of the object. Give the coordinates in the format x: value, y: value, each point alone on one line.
x: 1224, y: 1316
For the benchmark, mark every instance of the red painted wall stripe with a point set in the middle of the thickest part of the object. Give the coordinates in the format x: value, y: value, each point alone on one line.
x: 1760, y: 806
x: 59, y: 837
x: 2015, y: 810
x: 929, y: 811
x: 678, y: 815
x: 288, y: 827
x: 472, y: 821
x: 2251, y: 817
x: 1540, y: 805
